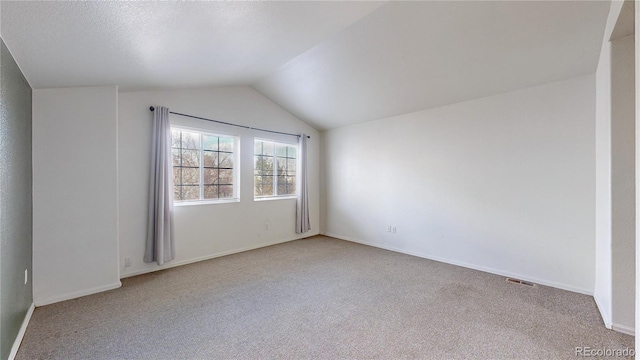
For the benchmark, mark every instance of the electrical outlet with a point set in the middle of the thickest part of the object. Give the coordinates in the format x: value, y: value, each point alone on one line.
x: 388, y: 228
x: 26, y: 276
x: 266, y: 226
x: 127, y: 262
x: 393, y: 229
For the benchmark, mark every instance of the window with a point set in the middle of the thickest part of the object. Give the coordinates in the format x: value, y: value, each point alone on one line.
x: 274, y: 169
x: 204, y: 165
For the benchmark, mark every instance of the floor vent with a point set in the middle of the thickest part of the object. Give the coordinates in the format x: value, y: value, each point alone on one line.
x: 521, y: 282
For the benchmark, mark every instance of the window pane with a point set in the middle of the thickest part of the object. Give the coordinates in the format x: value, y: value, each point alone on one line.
x: 226, y: 191
x: 226, y: 144
x: 267, y: 148
x: 267, y: 189
x: 175, y: 156
x: 257, y: 185
x: 286, y: 189
x: 190, y: 140
x: 226, y: 160
x: 264, y: 185
x: 175, y: 138
x: 267, y: 165
x: 210, y: 159
x: 291, y: 166
x: 191, y: 192
x: 281, y: 150
x: 291, y: 185
x: 210, y: 142
x: 226, y: 177
x: 211, y: 191
x: 292, y: 152
x: 210, y: 176
x: 282, y: 164
x: 257, y: 147
x: 177, y: 176
x: 190, y: 176
x: 191, y: 158
x: 176, y: 193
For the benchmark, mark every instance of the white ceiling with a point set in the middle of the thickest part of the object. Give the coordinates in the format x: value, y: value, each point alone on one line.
x: 330, y: 63
x: 165, y: 44
x: 625, y: 25
x: 410, y: 56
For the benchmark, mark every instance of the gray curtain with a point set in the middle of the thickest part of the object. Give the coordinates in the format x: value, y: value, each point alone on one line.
x: 160, y: 245
x: 302, y: 203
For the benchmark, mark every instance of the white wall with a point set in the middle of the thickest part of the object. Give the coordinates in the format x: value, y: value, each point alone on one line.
x: 603, y: 281
x: 504, y: 184
x: 623, y: 183
x: 75, y: 237
x: 206, y: 231
x: 615, y: 171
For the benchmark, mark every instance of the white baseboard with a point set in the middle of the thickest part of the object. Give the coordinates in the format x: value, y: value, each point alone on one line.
x: 77, y: 294
x: 624, y: 329
x: 470, y: 266
x: 23, y: 329
x: 173, y: 264
x: 603, y: 314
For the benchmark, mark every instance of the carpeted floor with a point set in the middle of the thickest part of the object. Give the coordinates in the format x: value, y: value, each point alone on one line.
x: 319, y: 298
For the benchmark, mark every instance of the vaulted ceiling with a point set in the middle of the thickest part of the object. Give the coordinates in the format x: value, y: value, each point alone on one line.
x: 330, y: 63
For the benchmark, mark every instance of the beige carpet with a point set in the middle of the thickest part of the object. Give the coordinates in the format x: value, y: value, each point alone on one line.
x: 319, y: 298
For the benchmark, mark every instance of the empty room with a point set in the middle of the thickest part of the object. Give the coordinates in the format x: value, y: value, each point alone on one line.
x: 318, y: 179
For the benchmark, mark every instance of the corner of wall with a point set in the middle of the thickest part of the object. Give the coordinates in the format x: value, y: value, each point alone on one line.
x: 21, y: 332
x: 323, y: 183
x: 604, y: 308
x: 16, y: 205
x: 117, y: 259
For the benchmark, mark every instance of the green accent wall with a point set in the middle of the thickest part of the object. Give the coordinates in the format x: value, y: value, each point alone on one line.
x: 16, y: 216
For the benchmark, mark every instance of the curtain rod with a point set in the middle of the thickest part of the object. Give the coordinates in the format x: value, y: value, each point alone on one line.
x: 226, y: 123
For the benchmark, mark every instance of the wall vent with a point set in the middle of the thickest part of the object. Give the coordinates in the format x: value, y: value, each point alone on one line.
x: 521, y: 282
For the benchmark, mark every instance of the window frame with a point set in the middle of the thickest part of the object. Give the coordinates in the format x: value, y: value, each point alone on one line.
x: 275, y: 171
x: 235, y: 169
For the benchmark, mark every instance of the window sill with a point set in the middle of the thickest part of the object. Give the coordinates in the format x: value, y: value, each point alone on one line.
x: 205, y: 202
x: 269, y: 198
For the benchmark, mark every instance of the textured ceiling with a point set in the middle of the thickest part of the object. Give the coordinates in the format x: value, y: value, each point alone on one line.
x: 152, y: 44
x: 330, y: 63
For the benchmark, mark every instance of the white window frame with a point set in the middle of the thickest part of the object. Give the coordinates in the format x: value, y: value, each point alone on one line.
x: 236, y: 168
x: 275, y: 171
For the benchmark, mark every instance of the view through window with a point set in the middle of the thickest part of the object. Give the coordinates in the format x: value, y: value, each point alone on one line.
x: 274, y: 169
x: 203, y: 165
